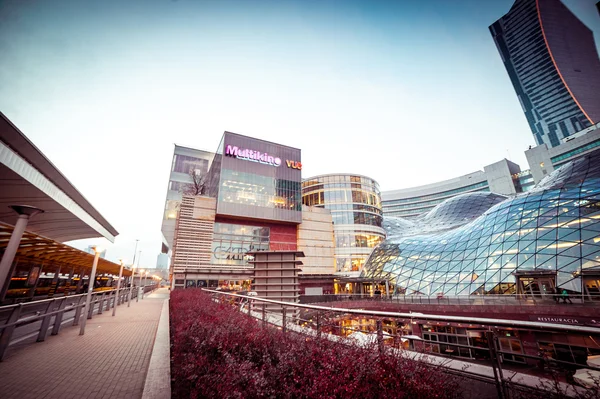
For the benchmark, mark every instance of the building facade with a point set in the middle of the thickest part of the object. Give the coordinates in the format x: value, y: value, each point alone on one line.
x: 543, y: 160
x: 355, y: 205
x: 188, y: 171
x: 483, y: 243
x: 252, y: 202
x: 552, y: 62
x: 502, y: 177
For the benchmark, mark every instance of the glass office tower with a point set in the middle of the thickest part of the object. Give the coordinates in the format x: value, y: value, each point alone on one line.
x: 552, y: 62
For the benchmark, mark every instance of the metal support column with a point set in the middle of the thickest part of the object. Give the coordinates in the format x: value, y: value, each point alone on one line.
x: 118, y: 297
x: 6, y: 264
x: 89, y: 293
x: 489, y: 335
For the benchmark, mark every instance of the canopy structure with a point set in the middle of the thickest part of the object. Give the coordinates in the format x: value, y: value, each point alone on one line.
x: 51, y: 255
x: 27, y: 177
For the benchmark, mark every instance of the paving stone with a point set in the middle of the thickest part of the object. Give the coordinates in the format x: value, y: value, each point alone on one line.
x: 110, y: 360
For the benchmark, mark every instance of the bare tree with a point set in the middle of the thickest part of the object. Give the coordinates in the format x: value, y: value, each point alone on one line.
x: 198, y: 184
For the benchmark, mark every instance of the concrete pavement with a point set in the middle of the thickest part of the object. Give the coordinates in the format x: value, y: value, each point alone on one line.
x: 111, y: 360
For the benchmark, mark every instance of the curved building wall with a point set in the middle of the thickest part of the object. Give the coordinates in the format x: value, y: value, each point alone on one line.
x: 502, y: 177
x: 355, y: 205
x: 552, y: 62
x: 482, y: 243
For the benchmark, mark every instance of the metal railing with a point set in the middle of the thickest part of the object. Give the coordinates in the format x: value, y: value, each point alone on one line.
x: 31, y: 319
x: 322, y: 321
x: 512, y: 300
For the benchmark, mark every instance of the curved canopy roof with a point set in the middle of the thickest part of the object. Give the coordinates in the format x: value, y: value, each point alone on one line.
x: 27, y: 177
x: 38, y: 250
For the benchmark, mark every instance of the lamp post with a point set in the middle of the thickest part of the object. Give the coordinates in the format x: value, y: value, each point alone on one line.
x: 88, y: 298
x: 131, y: 280
x: 144, y: 289
x: 132, y: 274
x: 138, y: 297
x: 118, y: 288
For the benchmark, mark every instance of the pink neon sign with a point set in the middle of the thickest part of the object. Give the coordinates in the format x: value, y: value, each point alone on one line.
x: 251, y: 155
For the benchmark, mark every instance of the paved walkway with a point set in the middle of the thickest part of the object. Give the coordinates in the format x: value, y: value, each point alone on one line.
x: 110, y: 361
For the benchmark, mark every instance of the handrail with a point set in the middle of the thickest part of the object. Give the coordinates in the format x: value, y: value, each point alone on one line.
x: 509, y: 299
x: 421, y: 316
x: 497, y: 355
x: 46, y: 309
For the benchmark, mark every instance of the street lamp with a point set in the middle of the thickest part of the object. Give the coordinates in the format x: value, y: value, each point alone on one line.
x: 88, y: 298
x: 144, y: 289
x: 118, y: 288
x: 131, y: 280
x: 137, y: 299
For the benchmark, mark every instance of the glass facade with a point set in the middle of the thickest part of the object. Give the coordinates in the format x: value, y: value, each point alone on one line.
x: 232, y: 241
x: 550, y: 57
x: 355, y: 205
x: 414, y: 206
x: 256, y: 179
x: 559, y: 159
x: 532, y: 243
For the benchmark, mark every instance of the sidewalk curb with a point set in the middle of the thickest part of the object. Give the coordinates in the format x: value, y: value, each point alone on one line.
x: 158, y: 378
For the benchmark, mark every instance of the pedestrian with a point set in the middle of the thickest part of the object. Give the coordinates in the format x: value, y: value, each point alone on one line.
x: 565, y: 296
x: 555, y: 295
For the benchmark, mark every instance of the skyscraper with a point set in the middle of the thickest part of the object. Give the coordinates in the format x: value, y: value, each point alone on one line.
x: 551, y: 59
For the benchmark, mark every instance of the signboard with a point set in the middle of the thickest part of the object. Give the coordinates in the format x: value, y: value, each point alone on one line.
x: 252, y: 155
x: 574, y: 321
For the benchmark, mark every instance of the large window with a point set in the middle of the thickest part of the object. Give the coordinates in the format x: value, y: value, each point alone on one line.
x: 185, y: 163
x: 256, y: 190
x: 232, y: 241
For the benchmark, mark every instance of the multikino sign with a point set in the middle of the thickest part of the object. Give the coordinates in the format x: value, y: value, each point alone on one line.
x: 251, y: 155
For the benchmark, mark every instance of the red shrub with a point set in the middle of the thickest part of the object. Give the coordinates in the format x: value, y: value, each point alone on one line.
x: 219, y: 352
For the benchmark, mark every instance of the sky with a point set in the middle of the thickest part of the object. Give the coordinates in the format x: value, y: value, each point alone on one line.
x: 405, y: 92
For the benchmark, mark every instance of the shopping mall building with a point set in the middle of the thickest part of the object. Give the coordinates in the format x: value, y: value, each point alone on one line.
x: 250, y: 199
x: 531, y: 243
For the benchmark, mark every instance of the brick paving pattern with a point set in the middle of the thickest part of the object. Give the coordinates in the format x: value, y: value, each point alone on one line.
x: 110, y: 361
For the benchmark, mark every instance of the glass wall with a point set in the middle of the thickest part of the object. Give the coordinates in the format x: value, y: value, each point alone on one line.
x: 256, y: 190
x: 541, y: 240
x: 355, y: 205
x: 257, y: 179
x: 232, y: 241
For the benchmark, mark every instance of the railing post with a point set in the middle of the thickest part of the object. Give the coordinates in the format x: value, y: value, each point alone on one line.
x: 100, y: 303
x: 283, y: 319
x: 495, y: 364
x: 380, y: 336
x: 59, y: 316
x: 8, y: 331
x: 45, y: 322
x: 78, y: 309
x: 110, y: 296
x: 318, y: 324
x: 91, y: 309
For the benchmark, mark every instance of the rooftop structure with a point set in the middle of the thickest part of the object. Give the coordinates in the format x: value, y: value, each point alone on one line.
x: 27, y: 177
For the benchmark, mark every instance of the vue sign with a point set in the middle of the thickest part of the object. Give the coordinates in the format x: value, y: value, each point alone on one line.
x: 293, y: 164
